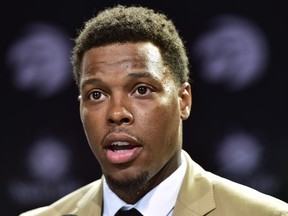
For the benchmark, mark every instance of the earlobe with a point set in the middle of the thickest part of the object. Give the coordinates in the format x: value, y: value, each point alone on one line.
x: 185, y: 95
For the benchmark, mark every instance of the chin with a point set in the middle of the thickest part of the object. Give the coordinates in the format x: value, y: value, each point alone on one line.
x: 128, y: 183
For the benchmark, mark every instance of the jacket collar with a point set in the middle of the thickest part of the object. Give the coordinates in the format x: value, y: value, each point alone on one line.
x: 196, y: 193
x: 91, y: 202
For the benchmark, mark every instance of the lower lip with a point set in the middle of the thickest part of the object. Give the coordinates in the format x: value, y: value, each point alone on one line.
x: 122, y: 156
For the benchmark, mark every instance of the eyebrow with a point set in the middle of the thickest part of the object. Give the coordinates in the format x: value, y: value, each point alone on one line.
x: 92, y: 81
x: 96, y: 81
x: 140, y: 75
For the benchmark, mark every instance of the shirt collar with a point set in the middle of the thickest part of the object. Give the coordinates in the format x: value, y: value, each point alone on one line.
x: 159, y: 200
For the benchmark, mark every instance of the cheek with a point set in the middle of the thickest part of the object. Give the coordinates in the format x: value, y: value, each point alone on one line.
x: 161, y: 122
x: 168, y: 114
x: 92, y: 127
x: 160, y: 131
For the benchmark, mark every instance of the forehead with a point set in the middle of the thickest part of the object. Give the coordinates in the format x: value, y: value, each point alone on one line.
x: 122, y: 56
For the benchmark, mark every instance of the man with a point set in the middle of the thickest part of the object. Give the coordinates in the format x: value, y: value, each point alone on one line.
x: 133, y: 76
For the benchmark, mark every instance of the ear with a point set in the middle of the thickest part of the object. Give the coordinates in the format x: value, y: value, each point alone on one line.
x: 185, y: 96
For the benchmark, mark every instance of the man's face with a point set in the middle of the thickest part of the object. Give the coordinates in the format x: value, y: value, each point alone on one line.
x: 132, y: 111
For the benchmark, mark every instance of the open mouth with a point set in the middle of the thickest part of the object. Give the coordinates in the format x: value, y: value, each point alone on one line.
x: 122, y: 152
x: 119, y: 147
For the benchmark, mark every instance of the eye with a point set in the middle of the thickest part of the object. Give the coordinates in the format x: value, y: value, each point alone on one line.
x: 96, y: 95
x: 142, y: 90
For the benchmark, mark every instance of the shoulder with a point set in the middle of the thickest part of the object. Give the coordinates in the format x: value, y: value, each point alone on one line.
x: 68, y: 203
x: 227, y: 191
x: 226, y: 197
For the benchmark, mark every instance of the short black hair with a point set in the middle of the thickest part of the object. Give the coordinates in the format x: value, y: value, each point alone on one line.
x: 120, y: 24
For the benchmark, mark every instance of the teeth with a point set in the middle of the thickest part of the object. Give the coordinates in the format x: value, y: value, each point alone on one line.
x: 119, y: 151
x: 120, y: 144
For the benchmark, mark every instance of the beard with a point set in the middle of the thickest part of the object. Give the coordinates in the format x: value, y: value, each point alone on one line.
x: 132, y: 185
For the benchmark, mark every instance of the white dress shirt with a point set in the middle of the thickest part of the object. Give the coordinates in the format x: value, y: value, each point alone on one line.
x: 159, y: 201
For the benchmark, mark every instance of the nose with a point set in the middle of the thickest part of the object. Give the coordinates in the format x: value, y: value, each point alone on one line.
x: 119, y: 112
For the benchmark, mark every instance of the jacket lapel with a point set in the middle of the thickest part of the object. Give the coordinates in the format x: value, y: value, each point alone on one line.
x: 196, y: 194
x: 91, y: 203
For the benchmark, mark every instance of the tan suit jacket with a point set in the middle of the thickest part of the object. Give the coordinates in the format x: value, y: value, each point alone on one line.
x: 202, y: 194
